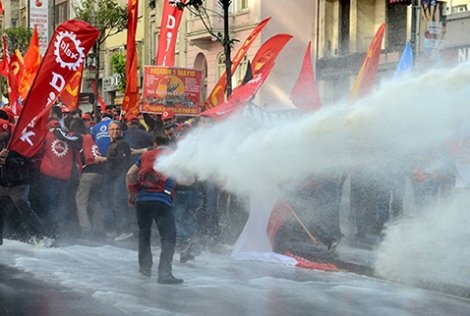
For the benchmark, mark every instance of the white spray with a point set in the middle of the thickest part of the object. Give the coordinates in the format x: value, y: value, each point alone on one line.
x: 376, y: 135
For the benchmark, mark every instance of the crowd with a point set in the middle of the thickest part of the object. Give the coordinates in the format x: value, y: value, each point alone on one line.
x: 96, y: 180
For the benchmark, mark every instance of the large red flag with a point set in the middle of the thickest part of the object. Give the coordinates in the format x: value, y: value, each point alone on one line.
x: 239, y: 97
x: 366, y: 77
x: 218, y: 92
x: 304, y: 94
x: 268, y: 52
x: 64, y: 56
x: 171, y: 19
x: 71, y: 94
x: 32, y: 60
x: 130, y: 103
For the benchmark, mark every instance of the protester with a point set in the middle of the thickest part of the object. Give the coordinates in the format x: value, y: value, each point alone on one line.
x: 152, y: 193
x: 15, y: 172
x: 59, y: 177
x: 118, y: 160
x: 100, y: 132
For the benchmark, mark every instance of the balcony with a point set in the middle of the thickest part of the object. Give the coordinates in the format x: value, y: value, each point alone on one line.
x: 197, y: 33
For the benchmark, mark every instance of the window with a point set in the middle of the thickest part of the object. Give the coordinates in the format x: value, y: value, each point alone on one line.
x: 220, y: 65
x: 241, y: 5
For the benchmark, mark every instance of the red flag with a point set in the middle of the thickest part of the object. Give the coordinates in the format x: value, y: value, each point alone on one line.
x: 130, y: 103
x: 13, y: 68
x: 239, y: 97
x: 98, y: 97
x: 171, y: 18
x: 71, y: 93
x: 304, y: 94
x: 32, y: 60
x: 268, y: 52
x: 64, y: 56
x: 366, y: 77
x: 218, y: 92
x: 1, y: 7
x: 279, y: 213
x: 4, y: 66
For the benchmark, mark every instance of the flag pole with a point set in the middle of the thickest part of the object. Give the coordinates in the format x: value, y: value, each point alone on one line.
x: 312, y: 238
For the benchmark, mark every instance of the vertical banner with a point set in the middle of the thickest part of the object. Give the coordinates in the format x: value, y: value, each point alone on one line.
x: 171, y: 19
x: 365, y: 79
x: 217, y: 95
x: 434, y: 28
x: 130, y: 103
x: 39, y: 17
x: 305, y: 94
x: 64, y: 56
x: 32, y: 60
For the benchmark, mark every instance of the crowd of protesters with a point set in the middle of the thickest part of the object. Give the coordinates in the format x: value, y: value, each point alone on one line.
x: 76, y: 187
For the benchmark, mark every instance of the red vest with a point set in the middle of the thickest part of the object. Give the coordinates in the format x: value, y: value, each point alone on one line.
x: 58, y: 158
x: 90, y: 150
x: 148, y: 178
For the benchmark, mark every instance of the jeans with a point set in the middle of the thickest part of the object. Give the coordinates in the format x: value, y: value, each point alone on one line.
x: 147, y: 212
x: 185, y: 209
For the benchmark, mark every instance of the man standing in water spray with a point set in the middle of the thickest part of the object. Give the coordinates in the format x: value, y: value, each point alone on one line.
x: 152, y: 193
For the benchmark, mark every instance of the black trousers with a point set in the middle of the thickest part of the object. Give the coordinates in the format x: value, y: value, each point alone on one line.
x: 147, y: 212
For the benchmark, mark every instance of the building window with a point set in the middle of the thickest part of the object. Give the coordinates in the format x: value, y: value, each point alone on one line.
x: 241, y: 5
x: 61, y: 13
x: 239, y: 74
x: 220, y: 65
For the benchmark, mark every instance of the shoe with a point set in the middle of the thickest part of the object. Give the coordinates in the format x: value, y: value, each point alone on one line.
x: 123, y: 236
x: 332, y: 247
x: 145, y: 272
x: 169, y: 279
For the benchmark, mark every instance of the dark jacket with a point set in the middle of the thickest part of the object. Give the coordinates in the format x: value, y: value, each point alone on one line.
x: 118, y: 158
x: 17, y: 170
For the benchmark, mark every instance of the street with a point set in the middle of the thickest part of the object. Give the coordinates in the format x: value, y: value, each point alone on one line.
x: 103, y: 280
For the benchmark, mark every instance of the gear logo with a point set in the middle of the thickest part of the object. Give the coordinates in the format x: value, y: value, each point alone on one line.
x: 59, y: 148
x: 68, y: 52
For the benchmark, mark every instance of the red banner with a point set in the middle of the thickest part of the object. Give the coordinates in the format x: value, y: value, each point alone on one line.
x: 171, y: 19
x: 71, y: 94
x: 366, y: 77
x: 171, y: 87
x: 64, y: 56
x: 32, y: 60
x: 240, y: 96
x: 217, y: 95
x: 98, y: 97
x: 304, y: 94
x: 12, y: 65
x: 268, y: 52
x: 130, y: 103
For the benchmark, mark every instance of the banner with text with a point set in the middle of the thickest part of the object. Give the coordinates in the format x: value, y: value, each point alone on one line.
x: 171, y: 87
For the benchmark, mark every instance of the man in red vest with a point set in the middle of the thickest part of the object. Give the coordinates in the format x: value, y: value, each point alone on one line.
x: 152, y: 193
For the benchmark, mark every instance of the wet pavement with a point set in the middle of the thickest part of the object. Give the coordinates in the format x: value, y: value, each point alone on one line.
x: 22, y: 294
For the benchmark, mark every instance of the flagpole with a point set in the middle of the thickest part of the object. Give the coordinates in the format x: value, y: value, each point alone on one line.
x: 414, y: 25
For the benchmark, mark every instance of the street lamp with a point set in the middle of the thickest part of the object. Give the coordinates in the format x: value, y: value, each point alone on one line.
x: 196, y: 7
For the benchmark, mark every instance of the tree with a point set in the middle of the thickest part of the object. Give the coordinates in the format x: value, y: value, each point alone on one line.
x: 118, y: 61
x: 18, y: 38
x: 108, y: 17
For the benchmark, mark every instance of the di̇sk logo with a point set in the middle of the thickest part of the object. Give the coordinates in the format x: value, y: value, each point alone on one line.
x: 5, y: 127
x: 68, y: 52
x: 59, y: 148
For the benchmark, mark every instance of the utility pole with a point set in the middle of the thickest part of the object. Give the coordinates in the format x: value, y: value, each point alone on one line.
x: 227, y: 45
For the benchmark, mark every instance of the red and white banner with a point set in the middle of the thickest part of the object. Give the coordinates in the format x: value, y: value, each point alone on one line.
x: 64, y: 56
x: 130, y: 103
x: 171, y: 19
x: 217, y: 95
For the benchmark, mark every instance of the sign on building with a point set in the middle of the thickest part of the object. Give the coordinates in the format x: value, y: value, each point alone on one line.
x: 173, y: 88
x: 39, y: 17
